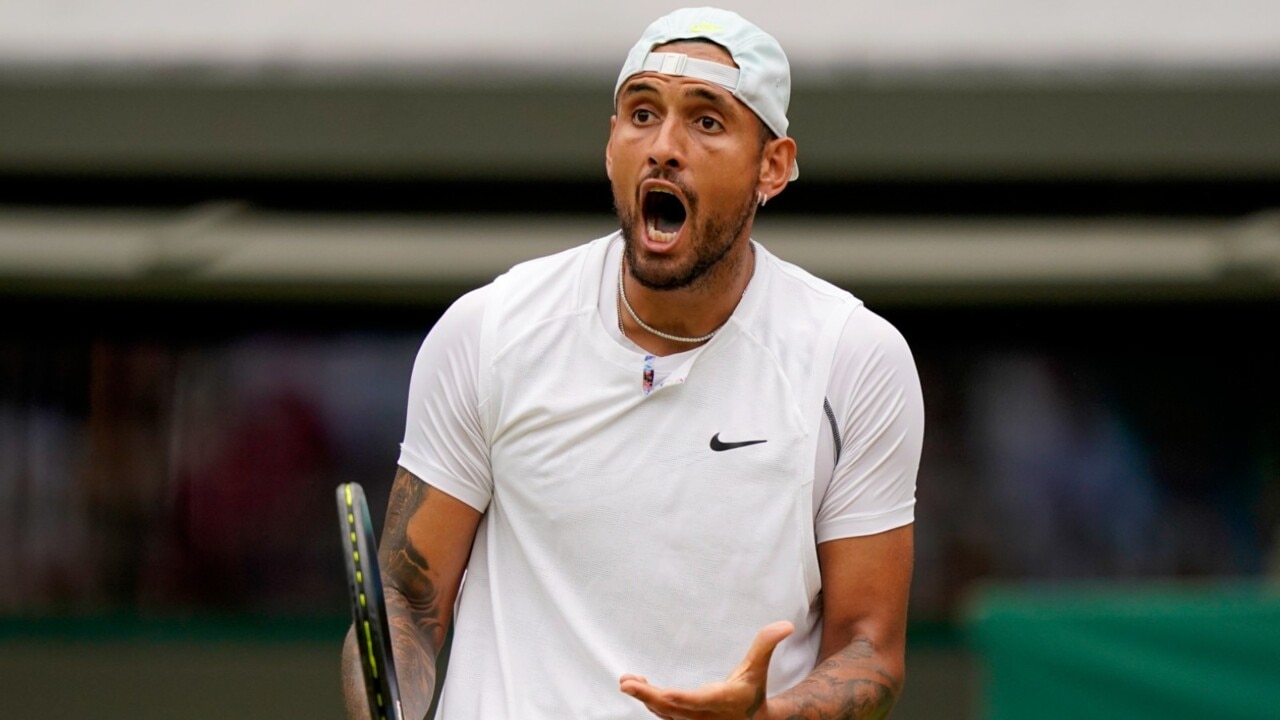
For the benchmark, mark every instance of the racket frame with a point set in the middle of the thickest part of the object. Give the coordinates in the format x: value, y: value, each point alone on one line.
x: 368, y: 606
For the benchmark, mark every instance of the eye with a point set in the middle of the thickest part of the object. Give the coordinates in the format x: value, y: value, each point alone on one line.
x: 709, y: 124
x: 642, y: 116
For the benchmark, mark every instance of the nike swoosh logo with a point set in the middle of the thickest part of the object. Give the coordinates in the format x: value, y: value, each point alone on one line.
x: 719, y: 446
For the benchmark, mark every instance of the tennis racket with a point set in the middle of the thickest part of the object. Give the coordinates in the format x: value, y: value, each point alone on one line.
x: 368, y: 608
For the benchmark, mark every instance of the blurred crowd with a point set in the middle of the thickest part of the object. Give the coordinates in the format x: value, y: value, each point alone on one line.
x: 152, y: 477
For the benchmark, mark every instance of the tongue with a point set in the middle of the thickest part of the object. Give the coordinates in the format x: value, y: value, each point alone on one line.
x: 665, y: 213
x: 667, y: 225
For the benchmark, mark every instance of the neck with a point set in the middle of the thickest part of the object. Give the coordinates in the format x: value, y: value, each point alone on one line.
x: 688, y: 313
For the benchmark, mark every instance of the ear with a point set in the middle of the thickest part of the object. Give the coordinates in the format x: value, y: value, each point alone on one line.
x: 608, y: 148
x: 775, y: 165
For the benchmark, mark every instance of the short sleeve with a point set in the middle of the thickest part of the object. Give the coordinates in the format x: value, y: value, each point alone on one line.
x: 443, y: 442
x: 878, y: 413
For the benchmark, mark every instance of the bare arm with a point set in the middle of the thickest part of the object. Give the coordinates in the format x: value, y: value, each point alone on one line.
x: 425, y: 545
x: 865, y: 581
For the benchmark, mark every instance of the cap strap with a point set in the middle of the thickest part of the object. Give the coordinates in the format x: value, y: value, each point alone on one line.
x: 678, y: 64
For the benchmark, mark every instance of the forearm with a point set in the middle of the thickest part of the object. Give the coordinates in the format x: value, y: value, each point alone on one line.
x: 422, y: 524
x: 352, y: 685
x: 414, y: 653
x: 856, y: 682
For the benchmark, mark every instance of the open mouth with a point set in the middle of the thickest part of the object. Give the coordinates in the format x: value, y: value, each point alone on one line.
x: 664, y: 214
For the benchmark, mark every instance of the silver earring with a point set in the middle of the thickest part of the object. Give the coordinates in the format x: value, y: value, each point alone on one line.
x: 761, y: 198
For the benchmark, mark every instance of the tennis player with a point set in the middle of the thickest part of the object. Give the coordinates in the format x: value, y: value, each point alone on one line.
x: 678, y: 471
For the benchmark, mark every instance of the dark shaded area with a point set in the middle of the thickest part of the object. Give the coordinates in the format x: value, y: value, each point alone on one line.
x: 1190, y: 197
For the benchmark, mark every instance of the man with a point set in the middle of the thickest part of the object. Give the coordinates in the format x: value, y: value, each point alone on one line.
x: 651, y: 449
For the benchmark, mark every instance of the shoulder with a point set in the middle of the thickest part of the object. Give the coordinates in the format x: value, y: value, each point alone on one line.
x: 794, y: 281
x: 461, y: 322
x: 866, y: 331
x: 873, y: 371
x: 552, y: 283
x: 799, y: 304
x: 555, y: 265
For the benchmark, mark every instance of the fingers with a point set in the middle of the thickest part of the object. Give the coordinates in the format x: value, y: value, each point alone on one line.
x: 740, y: 694
x: 639, y: 688
x: 655, y: 697
x: 672, y: 704
x: 761, y: 651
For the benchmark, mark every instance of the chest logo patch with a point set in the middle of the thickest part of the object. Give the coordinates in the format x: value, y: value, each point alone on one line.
x: 719, y: 445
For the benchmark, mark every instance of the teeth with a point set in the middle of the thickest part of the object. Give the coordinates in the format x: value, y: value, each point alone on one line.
x: 660, y: 236
x: 655, y: 234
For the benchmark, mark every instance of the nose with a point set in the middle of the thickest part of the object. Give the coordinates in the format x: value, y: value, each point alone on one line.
x: 667, y: 149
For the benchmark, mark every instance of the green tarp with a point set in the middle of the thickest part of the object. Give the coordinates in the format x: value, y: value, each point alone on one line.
x: 1129, y: 652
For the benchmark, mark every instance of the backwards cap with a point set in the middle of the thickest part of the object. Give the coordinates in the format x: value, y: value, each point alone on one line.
x: 762, y: 80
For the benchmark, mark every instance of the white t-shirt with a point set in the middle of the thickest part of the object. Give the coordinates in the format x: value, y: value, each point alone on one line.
x: 618, y: 534
x: 873, y: 394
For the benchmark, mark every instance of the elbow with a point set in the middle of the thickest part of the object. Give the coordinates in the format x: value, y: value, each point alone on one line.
x: 886, y: 662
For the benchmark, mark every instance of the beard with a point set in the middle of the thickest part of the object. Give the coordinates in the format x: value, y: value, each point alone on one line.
x: 711, y: 239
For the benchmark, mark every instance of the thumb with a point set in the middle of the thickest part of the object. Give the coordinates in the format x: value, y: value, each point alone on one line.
x: 762, y: 647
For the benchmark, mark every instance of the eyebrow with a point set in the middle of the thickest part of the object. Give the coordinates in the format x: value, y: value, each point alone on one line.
x: 703, y: 93
x: 637, y: 88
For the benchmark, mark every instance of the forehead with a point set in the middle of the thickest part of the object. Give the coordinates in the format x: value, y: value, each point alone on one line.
x: 700, y: 49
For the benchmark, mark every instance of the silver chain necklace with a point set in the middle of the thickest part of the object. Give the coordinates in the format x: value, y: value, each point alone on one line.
x: 622, y: 295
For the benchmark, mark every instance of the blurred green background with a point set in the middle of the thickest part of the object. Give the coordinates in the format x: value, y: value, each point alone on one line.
x: 225, y: 230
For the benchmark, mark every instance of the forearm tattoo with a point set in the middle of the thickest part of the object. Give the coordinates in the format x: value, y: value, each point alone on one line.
x: 414, y: 613
x: 849, y: 685
x: 404, y: 569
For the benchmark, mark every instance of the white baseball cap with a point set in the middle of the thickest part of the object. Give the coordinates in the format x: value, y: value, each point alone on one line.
x: 762, y: 80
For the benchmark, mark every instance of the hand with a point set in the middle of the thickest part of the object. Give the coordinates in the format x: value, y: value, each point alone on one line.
x: 741, y: 695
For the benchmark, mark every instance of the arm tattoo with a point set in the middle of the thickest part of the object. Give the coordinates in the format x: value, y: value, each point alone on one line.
x: 406, y: 572
x: 840, y: 688
x: 414, y: 614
